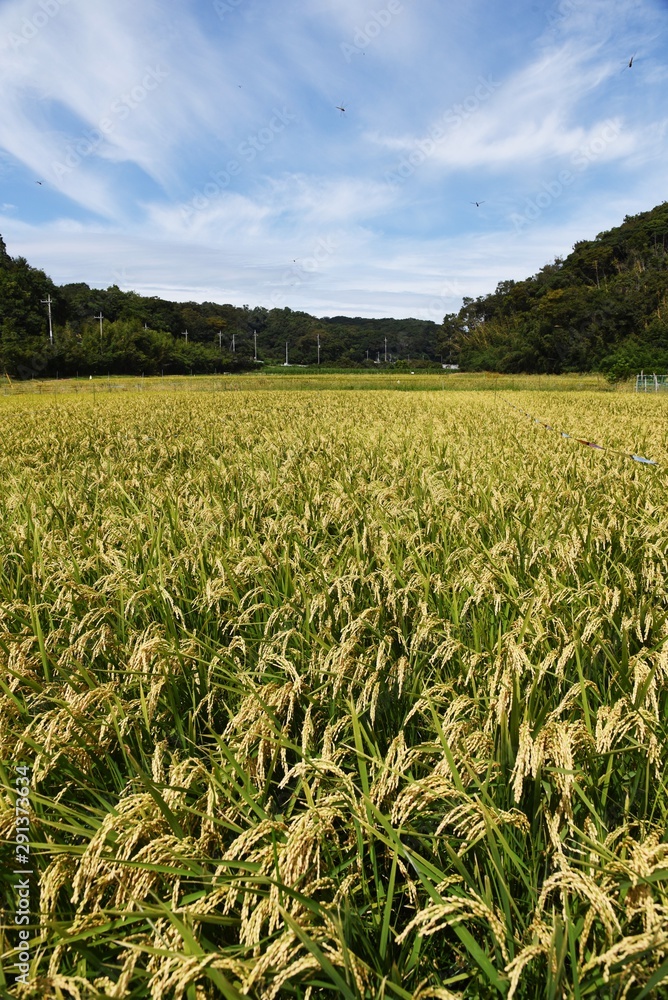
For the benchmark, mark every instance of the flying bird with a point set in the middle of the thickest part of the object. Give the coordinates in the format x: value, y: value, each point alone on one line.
x: 477, y: 203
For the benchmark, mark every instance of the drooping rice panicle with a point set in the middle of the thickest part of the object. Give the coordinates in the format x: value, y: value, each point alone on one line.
x: 336, y: 692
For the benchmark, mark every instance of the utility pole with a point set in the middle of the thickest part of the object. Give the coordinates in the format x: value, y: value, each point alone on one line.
x: 286, y: 352
x: 100, y: 317
x: 185, y: 334
x: 233, y: 344
x: 386, y: 350
x: 47, y: 302
x: 255, y: 345
x: 220, y: 341
x: 318, y: 350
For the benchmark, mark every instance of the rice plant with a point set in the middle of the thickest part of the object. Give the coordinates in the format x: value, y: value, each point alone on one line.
x: 336, y: 694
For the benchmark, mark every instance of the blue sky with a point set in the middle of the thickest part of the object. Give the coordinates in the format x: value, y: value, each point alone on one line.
x: 193, y: 149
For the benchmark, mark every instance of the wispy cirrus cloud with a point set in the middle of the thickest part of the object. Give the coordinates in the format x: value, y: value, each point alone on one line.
x: 201, y: 152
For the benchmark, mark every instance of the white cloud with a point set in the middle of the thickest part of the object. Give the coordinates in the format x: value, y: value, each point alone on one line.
x: 220, y: 181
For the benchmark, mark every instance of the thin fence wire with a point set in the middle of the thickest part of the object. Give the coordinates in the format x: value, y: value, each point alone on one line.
x: 578, y: 440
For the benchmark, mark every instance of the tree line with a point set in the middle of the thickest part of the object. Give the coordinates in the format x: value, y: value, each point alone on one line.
x: 602, y: 308
x: 100, y: 331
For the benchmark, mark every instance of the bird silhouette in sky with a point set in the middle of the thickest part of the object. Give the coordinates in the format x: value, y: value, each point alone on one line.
x: 477, y: 203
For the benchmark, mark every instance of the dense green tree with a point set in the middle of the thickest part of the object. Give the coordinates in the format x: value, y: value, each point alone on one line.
x: 604, y: 307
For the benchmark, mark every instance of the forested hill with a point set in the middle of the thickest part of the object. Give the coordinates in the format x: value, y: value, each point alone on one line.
x: 604, y: 307
x: 141, y: 334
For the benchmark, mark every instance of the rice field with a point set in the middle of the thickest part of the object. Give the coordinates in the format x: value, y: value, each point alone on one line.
x: 335, y: 693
